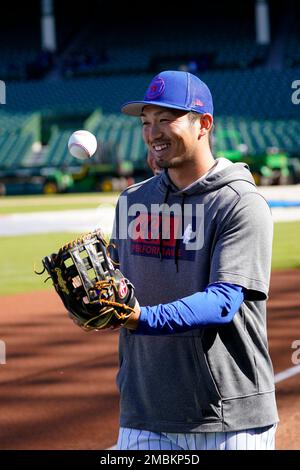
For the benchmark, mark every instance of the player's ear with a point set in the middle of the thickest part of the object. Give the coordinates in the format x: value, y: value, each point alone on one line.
x: 206, y: 123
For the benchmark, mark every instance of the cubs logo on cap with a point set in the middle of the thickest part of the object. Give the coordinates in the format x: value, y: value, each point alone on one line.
x: 156, y: 88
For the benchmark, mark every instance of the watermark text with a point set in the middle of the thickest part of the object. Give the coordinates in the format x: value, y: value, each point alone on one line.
x: 296, y: 93
x: 2, y: 92
x: 2, y: 352
x: 183, y: 222
x: 296, y: 354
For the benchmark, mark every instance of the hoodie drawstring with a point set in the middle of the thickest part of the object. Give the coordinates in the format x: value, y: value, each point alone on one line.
x: 177, y: 242
x: 160, y: 224
x: 179, y: 238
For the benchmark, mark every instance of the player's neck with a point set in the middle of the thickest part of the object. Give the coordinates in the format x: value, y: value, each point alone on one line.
x: 192, y: 171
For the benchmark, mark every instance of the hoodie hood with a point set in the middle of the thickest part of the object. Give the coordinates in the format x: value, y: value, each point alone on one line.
x: 213, y: 181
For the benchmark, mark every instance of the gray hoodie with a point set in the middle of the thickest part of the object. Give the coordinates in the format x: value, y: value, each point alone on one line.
x: 216, y: 378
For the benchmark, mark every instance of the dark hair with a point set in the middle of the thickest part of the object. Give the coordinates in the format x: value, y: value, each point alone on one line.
x: 193, y: 116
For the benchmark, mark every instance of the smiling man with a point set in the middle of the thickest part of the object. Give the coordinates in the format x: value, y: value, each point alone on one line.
x: 176, y: 139
x: 195, y: 372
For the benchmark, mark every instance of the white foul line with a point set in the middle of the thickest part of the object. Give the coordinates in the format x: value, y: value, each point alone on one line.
x: 285, y: 374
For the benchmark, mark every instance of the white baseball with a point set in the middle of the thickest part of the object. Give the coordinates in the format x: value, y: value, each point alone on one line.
x: 82, y: 144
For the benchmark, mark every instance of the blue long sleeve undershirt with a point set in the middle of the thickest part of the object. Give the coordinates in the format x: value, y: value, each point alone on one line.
x: 214, y: 306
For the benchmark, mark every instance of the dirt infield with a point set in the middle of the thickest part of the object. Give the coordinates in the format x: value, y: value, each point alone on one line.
x: 284, y: 329
x: 58, y: 384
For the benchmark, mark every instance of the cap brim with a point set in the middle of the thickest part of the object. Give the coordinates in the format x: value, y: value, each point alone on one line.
x: 135, y: 108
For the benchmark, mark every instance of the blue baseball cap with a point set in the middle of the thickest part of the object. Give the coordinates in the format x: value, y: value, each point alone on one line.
x: 174, y: 89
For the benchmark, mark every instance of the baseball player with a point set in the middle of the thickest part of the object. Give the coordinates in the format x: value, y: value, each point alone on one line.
x: 195, y: 372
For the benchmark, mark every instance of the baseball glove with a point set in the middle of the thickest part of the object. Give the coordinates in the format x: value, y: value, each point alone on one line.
x: 94, y: 292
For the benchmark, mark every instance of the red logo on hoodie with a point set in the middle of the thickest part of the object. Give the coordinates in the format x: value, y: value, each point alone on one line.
x: 155, y: 236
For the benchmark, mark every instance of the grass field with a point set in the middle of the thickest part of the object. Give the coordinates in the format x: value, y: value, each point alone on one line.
x: 18, y: 255
x: 56, y: 202
x: 286, y: 245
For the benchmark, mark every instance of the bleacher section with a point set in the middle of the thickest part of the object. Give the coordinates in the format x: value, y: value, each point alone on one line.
x: 99, y: 50
x: 14, y: 150
x: 58, y: 154
x: 96, y: 47
x: 21, y: 55
x: 103, y: 64
x: 259, y: 136
x: 17, y: 134
x: 292, y: 50
x: 291, y: 41
x: 20, y: 122
x: 262, y: 94
x: 120, y: 140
